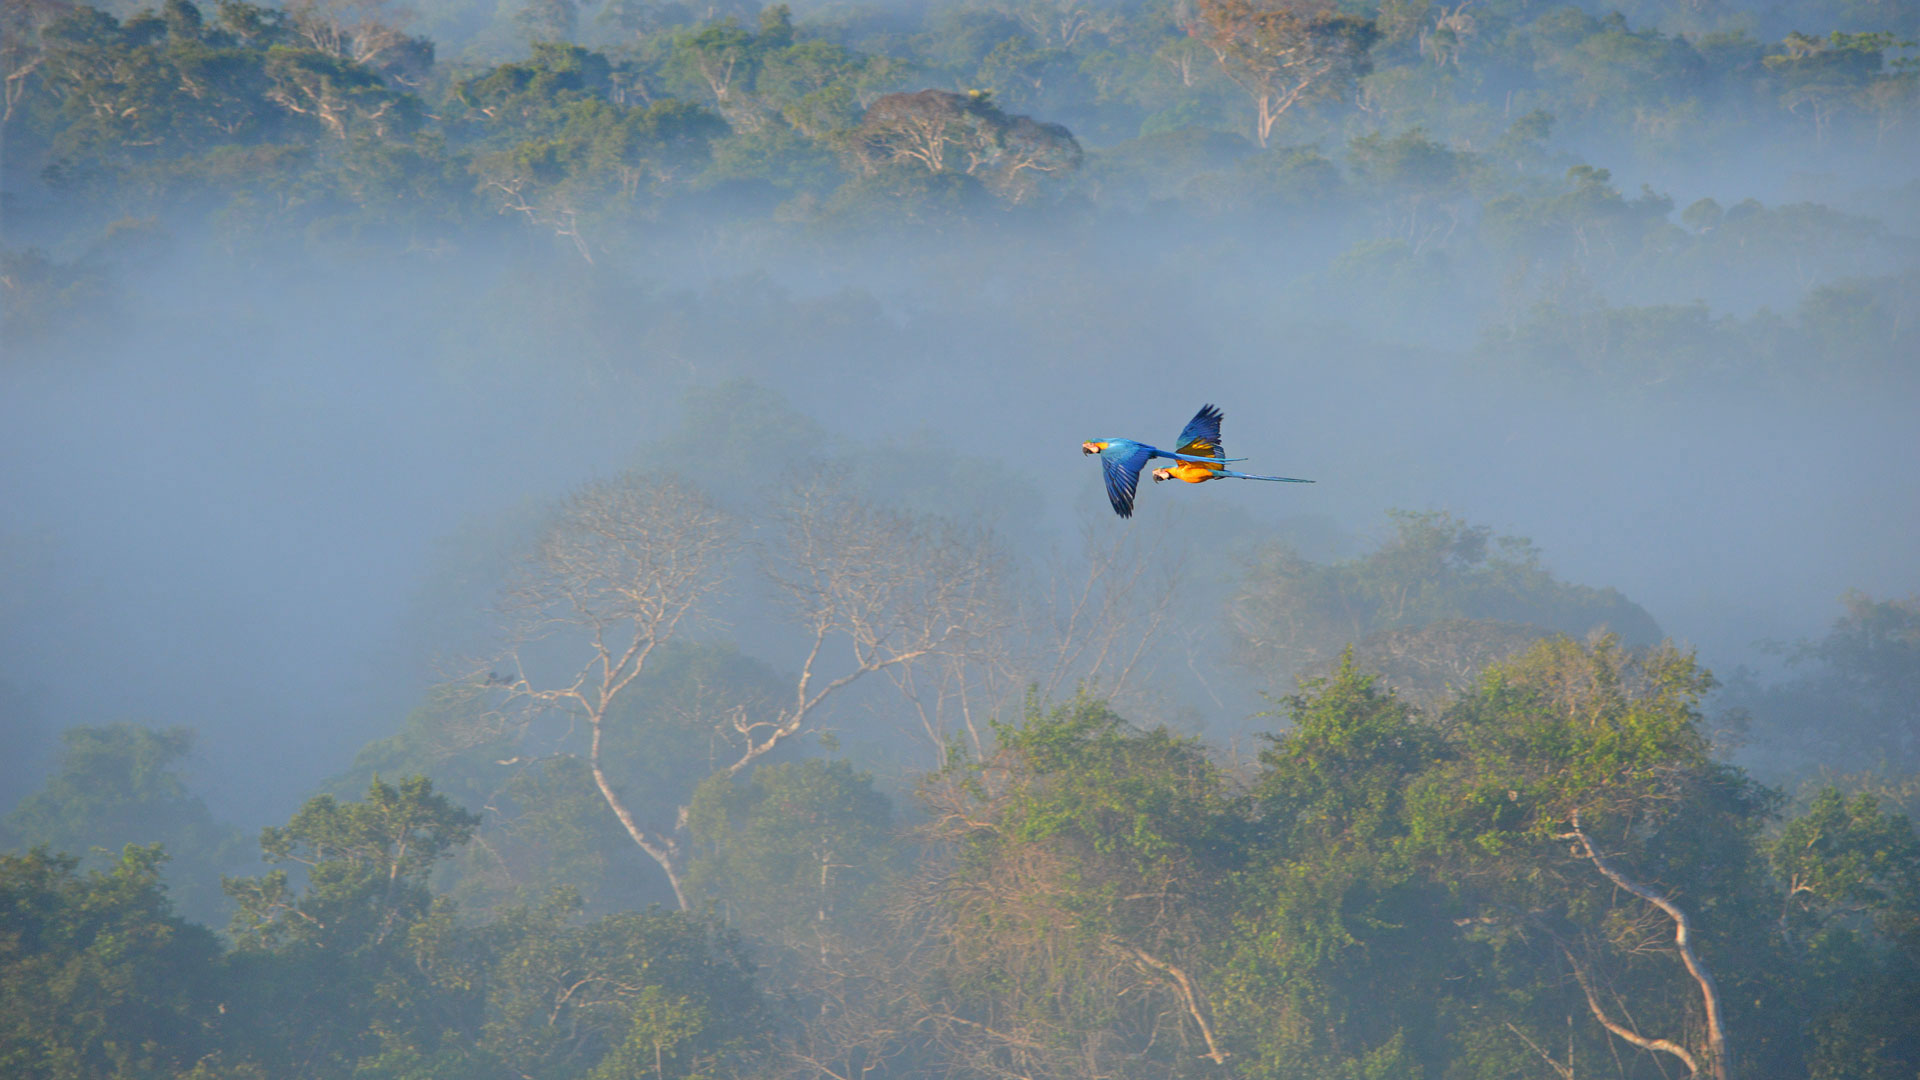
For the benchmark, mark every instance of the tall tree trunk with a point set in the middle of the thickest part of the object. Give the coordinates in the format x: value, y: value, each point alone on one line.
x: 661, y: 850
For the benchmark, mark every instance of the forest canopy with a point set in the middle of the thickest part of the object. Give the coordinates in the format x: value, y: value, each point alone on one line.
x: 594, y: 485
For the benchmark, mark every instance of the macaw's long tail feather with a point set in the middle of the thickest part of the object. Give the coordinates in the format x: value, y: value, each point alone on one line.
x: 1276, y: 479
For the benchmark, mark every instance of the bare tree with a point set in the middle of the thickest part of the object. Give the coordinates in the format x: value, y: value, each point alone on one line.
x: 628, y: 564
x: 962, y: 692
x: 888, y: 592
x: 1095, y: 620
x: 1099, y: 621
x: 623, y: 570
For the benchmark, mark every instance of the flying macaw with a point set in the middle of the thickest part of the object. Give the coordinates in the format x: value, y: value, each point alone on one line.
x: 1203, y: 437
x: 1194, y: 473
x: 1122, y: 459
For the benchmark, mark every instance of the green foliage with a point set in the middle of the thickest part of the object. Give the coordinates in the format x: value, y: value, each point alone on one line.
x: 1850, y: 855
x: 98, y: 978
x: 1089, y: 857
x: 119, y: 785
x: 1849, y: 704
x: 1450, y: 890
x: 343, y: 130
x: 798, y: 850
x: 1437, y: 572
x: 636, y: 994
x: 366, y: 867
x: 1333, y: 924
x: 1138, y: 799
x: 340, y: 973
x: 1332, y: 779
x: 1850, y: 870
x: 1422, y: 881
x: 1567, y: 728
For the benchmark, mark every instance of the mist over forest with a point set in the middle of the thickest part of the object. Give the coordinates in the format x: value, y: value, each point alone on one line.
x: 546, y: 539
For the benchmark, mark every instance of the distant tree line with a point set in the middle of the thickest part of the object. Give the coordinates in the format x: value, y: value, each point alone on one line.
x: 1406, y: 153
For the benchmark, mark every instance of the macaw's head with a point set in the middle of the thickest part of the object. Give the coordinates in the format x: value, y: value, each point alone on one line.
x: 1162, y: 474
x: 1092, y: 447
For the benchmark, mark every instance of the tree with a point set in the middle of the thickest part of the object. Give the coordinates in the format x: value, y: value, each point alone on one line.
x: 795, y: 854
x: 629, y: 562
x: 1059, y: 24
x: 722, y: 59
x: 1848, y: 856
x: 363, y: 33
x: 815, y: 85
x: 343, y: 96
x: 1848, y: 704
x: 1339, y: 945
x: 941, y: 131
x: 892, y: 593
x: 1585, y: 785
x: 338, y: 970
x: 1819, y: 77
x: 1078, y: 892
x: 560, y: 151
x: 21, y: 52
x: 1292, y: 615
x: 1418, y: 173
x: 366, y: 865
x: 659, y: 994
x: 549, y: 20
x: 1868, y: 666
x: 624, y: 567
x: 1285, y: 55
x: 98, y: 978
x: 159, y: 85
x: 120, y: 785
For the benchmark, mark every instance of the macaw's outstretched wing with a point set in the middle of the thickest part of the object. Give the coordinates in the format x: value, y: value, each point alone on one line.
x: 1201, y: 436
x: 1122, y: 465
x: 1276, y: 479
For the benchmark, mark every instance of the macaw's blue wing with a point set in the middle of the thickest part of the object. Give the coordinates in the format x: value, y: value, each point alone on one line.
x: 1122, y: 462
x: 1205, y: 459
x: 1201, y: 436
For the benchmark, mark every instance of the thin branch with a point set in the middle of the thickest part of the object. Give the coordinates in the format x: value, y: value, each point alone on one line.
x: 1624, y: 1032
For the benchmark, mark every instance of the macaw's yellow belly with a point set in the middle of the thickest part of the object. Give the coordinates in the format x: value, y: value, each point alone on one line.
x: 1192, y: 472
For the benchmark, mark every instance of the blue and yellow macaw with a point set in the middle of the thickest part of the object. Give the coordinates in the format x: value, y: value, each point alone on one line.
x: 1194, y: 473
x: 1203, y: 437
x: 1122, y: 459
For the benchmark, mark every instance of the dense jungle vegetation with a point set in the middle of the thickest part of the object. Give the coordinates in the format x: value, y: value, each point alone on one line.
x: 762, y: 754
x: 622, y: 850
x: 1464, y: 159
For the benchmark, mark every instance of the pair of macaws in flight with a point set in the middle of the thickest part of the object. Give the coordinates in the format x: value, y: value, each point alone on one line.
x: 1200, y: 458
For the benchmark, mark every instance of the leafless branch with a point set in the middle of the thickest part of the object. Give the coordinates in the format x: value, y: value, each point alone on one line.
x: 1717, y: 1054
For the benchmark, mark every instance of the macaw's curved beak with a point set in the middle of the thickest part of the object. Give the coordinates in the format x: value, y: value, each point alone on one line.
x: 1092, y: 447
x: 1162, y: 474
